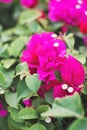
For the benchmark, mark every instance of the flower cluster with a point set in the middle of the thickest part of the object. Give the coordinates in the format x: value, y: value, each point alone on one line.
x: 46, y: 55
x: 73, y: 12
x: 27, y: 102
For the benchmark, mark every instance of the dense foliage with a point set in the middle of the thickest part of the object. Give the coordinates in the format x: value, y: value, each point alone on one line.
x: 43, y: 65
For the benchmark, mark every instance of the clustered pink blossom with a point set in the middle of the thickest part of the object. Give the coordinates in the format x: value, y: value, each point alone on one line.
x: 29, y: 3
x: 73, y: 12
x: 27, y: 102
x: 46, y: 55
x: 3, y: 112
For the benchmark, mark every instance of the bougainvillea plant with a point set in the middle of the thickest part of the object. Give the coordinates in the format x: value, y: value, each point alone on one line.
x: 43, y: 65
x: 74, y: 12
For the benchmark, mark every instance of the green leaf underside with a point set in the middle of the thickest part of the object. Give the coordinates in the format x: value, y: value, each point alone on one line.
x: 33, y: 82
x: 80, y: 124
x: 37, y: 126
x: 69, y: 106
x: 28, y: 113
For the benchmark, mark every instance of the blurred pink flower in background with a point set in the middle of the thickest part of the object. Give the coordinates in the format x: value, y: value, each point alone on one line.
x: 83, y: 26
x: 29, y: 3
x: 43, y: 14
x: 3, y: 112
x: 27, y: 102
x: 64, y: 29
x: 73, y: 12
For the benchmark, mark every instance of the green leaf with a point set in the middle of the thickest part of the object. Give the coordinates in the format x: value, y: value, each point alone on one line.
x: 14, y: 125
x: 3, y: 48
x: 22, y: 90
x: 42, y: 108
x: 28, y: 113
x: 69, y: 41
x: 7, y: 35
x: 49, y: 126
x: 83, y: 50
x: 80, y: 124
x: 11, y: 99
x: 4, y: 51
x: 8, y: 63
x: 29, y: 16
x: 33, y: 82
x: 36, y: 102
x: 22, y: 30
x: 84, y: 90
x: 27, y: 126
x: 49, y: 97
x: 14, y: 114
x: 22, y: 68
x: 69, y: 106
x: 55, y: 26
x: 17, y: 46
x: 35, y: 27
x: 80, y: 58
x: 2, y: 79
x: 6, y: 77
x: 37, y: 126
x: 3, y: 124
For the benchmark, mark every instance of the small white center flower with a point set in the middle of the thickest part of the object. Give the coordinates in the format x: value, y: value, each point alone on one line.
x: 70, y: 89
x: 53, y: 35
x: 48, y: 120
x: 56, y: 44
x: 2, y: 91
x: 80, y: 2
x: 86, y: 12
x: 78, y: 6
x: 64, y: 86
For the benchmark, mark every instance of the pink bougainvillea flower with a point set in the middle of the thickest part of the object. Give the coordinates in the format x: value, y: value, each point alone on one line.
x: 72, y: 71
x: 43, y: 15
x: 83, y: 27
x: 29, y: 3
x: 73, y: 12
x: 73, y: 75
x: 62, y: 90
x: 3, y: 112
x: 45, y: 54
x: 64, y: 29
x: 47, y: 87
x: 27, y: 102
x: 6, y: 1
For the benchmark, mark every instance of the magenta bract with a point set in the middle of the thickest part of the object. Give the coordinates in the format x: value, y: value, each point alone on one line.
x: 73, y: 12
x: 29, y: 3
x: 46, y: 55
x: 3, y: 112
